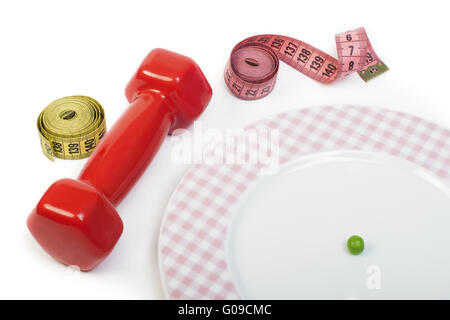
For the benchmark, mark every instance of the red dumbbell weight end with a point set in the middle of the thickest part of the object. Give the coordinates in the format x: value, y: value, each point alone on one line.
x: 75, y: 221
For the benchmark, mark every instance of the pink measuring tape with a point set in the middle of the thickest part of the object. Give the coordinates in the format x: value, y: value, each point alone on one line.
x: 252, y: 69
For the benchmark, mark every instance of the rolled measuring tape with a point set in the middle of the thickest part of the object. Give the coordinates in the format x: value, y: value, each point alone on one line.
x: 252, y: 68
x: 71, y: 127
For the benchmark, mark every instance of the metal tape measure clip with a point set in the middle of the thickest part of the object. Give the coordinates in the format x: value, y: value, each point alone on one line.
x: 252, y: 68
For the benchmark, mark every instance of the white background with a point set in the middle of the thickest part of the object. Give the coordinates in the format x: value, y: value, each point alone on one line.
x: 51, y: 49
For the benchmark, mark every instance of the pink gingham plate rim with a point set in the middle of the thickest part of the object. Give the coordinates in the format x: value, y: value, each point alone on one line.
x: 191, y: 250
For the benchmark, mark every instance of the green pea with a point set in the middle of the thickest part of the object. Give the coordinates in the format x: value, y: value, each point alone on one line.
x: 355, y: 244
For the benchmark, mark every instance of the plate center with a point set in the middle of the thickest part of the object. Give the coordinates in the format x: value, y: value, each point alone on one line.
x: 287, y: 239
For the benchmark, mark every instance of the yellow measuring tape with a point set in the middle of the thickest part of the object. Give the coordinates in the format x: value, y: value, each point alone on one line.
x: 71, y: 127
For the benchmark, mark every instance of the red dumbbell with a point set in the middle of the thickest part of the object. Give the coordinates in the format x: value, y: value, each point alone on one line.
x: 75, y: 221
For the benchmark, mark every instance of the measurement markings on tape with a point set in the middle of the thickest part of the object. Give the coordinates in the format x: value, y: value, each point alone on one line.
x: 252, y: 68
x: 71, y: 127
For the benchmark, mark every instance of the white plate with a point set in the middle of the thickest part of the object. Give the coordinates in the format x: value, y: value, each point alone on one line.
x: 293, y: 244
x: 230, y: 232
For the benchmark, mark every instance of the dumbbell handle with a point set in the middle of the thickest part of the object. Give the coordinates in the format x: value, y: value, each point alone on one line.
x: 128, y: 147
